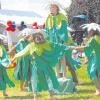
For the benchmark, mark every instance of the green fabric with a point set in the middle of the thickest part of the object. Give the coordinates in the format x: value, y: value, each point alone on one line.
x: 58, y: 20
x: 23, y: 66
x: 4, y: 79
x: 97, y: 38
x: 42, y: 64
x: 39, y: 48
x: 32, y: 47
x: 92, y: 51
x: 42, y: 69
x: 68, y: 55
x: 56, y: 28
x: 4, y: 61
x: 2, y: 50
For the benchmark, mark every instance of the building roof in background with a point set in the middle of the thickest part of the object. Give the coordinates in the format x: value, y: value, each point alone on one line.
x: 17, y: 16
x: 19, y: 13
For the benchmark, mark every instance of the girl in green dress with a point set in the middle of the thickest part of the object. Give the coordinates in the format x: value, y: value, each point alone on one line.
x: 4, y: 79
x: 44, y: 57
x: 22, y: 69
x: 56, y: 29
x: 92, y: 51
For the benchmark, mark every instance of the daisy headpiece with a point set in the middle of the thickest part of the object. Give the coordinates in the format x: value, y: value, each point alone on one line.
x: 91, y: 26
x: 26, y: 31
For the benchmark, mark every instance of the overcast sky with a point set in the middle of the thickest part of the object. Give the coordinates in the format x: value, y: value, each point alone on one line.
x: 38, y: 6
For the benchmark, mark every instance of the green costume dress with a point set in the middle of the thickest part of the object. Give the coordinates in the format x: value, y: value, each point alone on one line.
x: 92, y: 51
x: 44, y: 57
x: 56, y: 28
x: 22, y: 69
x: 68, y: 55
x: 4, y: 79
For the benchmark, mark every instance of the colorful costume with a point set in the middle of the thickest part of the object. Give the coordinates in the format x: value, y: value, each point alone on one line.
x: 68, y: 55
x: 4, y: 79
x: 56, y: 28
x: 92, y: 51
x: 44, y: 57
x: 22, y: 70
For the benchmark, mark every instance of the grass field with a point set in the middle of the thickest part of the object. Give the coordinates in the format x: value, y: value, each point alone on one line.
x: 86, y: 91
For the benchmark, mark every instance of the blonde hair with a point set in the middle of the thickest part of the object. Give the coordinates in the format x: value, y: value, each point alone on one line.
x: 54, y: 4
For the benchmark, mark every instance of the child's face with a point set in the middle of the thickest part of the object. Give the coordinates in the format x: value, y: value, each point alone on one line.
x: 26, y: 37
x: 30, y: 39
x: 90, y: 34
x: 53, y: 9
x: 39, y: 38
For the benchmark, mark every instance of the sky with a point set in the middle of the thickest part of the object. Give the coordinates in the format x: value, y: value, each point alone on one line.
x: 38, y: 6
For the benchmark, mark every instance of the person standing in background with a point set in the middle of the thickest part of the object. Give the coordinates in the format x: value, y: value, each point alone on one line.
x: 56, y: 31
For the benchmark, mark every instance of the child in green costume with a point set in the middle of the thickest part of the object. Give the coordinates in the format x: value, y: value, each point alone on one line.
x: 92, y: 51
x: 4, y: 79
x: 56, y: 31
x: 44, y: 57
x: 22, y: 69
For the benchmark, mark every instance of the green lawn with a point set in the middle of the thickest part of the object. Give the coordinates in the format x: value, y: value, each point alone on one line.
x: 84, y: 92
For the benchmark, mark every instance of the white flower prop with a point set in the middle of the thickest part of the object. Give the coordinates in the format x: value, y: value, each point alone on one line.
x: 29, y: 31
x: 91, y: 26
x: 36, y: 31
x: 26, y: 31
x: 70, y: 29
x: 59, y: 3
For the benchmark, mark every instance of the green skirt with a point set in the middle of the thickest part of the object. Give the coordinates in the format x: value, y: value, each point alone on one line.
x: 43, y: 77
x: 23, y: 68
x: 4, y: 79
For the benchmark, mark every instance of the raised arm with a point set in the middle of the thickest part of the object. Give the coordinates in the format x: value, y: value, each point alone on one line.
x: 25, y: 51
x: 81, y: 48
x: 12, y: 49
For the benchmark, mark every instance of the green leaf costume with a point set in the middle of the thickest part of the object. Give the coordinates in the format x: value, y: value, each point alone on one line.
x: 92, y: 51
x: 44, y: 58
x: 22, y: 69
x: 56, y: 28
x: 4, y: 79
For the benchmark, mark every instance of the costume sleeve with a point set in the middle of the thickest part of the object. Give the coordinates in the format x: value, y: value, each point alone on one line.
x: 25, y: 51
x: 63, y: 31
x: 17, y: 47
x: 46, y: 23
x: 89, y: 48
x: 5, y: 60
x: 60, y: 47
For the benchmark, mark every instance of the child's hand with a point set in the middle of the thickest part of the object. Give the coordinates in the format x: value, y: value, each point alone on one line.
x: 11, y: 54
x: 13, y: 60
x: 85, y: 60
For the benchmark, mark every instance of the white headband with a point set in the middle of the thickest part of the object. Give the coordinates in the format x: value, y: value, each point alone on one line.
x: 26, y: 31
x: 91, y: 26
